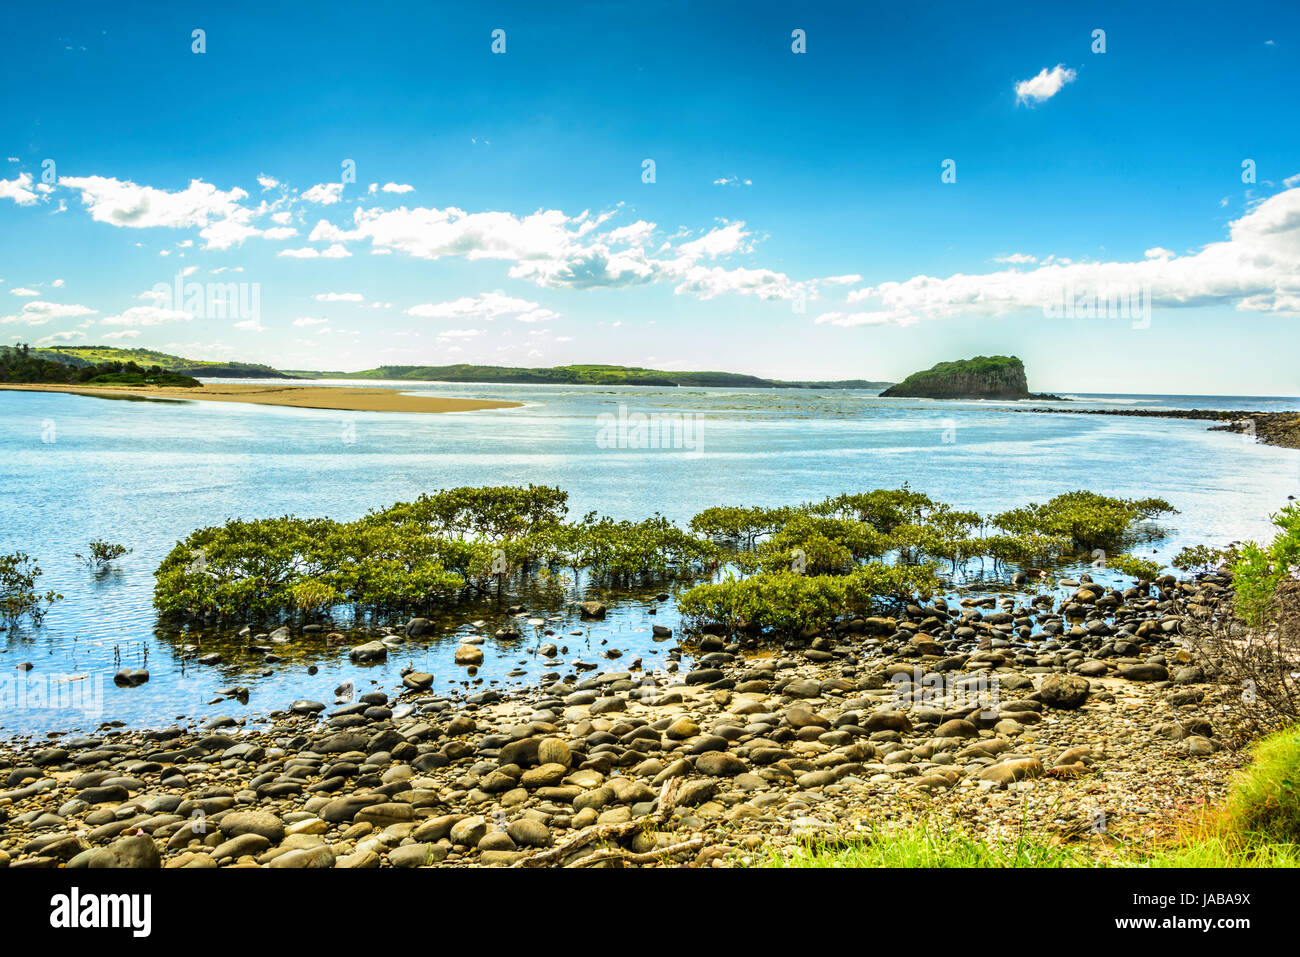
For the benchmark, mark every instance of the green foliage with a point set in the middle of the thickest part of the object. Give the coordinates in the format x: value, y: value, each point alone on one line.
x: 930, y: 845
x: 1265, y: 798
x: 1204, y: 558
x: 1141, y: 568
x: 102, y: 553
x: 742, y: 525
x: 817, y: 545
x: 150, y: 376
x: 882, y: 509
x: 1088, y: 519
x: 20, y: 364
x: 1259, y: 570
x: 411, y: 555
x: 495, y: 513
x: 786, y: 603
x: 18, y: 594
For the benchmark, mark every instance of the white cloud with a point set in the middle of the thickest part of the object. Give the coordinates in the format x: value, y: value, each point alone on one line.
x: 1256, y: 269
x: 459, y: 333
x: 1016, y: 258
x: 58, y: 337
x: 38, y: 313
x: 338, y: 297
x: 397, y: 188
x: 121, y: 334
x: 333, y: 252
x: 18, y: 189
x: 250, y: 325
x: 1045, y: 85
x: 326, y: 194
x: 267, y: 182
x: 489, y: 305
x: 22, y: 291
x: 307, y: 322
x: 219, y: 215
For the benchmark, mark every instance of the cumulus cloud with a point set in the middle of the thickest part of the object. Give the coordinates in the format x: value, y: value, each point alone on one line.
x: 326, y: 194
x: 1045, y: 85
x: 335, y: 251
x: 1256, y: 269
x: 489, y: 305
x: 38, y: 313
x: 23, y: 291
x: 338, y: 297
x: 120, y: 334
x: 397, y: 188
x: 19, y: 190
x: 219, y: 215
x: 306, y: 322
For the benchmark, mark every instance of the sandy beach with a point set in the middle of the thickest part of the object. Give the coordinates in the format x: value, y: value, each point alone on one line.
x: 297, y: 396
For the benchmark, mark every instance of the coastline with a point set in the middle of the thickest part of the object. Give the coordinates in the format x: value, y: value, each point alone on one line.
x: 1271, y: 428
x: 733, y: 758
x: 360, y: 399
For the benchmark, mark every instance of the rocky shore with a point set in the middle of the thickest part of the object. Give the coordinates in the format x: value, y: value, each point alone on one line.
x: 1271, y: 428
x: 1086, y: 718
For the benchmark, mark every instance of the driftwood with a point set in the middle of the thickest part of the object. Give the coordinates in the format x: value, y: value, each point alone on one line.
x: 627, y: 857
x: 613, y: 832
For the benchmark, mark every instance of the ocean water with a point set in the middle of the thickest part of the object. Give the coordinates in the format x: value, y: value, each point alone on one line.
x: 146, y: 473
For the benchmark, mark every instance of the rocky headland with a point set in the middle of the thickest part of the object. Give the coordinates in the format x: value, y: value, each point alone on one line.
x: 983, y: 377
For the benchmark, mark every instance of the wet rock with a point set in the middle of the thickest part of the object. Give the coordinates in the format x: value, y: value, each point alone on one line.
x: 1065, y: 692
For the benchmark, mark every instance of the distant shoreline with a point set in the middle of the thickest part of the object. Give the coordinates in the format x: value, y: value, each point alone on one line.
x: 1271, y: 428
x: 360, y: 399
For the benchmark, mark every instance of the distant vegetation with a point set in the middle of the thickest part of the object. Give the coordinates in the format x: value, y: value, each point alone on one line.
x: 81, y: 356
x: 589, y: 375
x: 19, y: 364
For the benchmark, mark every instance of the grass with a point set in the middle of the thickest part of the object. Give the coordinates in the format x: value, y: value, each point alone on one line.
x: 1257, y: 826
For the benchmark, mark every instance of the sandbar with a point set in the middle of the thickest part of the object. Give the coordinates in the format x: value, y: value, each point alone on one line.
x: 341, y: 398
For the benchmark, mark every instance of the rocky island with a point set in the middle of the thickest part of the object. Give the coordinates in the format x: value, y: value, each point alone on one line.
x: 984, y: 377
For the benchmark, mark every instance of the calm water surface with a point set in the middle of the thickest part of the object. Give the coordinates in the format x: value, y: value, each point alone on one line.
x: 147, y: 473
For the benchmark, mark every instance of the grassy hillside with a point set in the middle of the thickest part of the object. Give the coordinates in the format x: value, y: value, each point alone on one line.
x: 79, y: 356
x: 587, y: 375
x: 21, y: 364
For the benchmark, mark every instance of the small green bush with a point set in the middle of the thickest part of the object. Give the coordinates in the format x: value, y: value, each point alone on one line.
x: 18, y: 595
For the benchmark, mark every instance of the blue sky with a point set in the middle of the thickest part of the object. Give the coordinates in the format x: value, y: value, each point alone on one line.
x: 798, y: 225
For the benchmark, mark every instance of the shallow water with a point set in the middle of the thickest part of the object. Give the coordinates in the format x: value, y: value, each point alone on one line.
x: 147, y: 473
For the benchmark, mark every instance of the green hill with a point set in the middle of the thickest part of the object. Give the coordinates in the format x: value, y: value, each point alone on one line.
x: 79, y: 356
x: 586, y: 375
